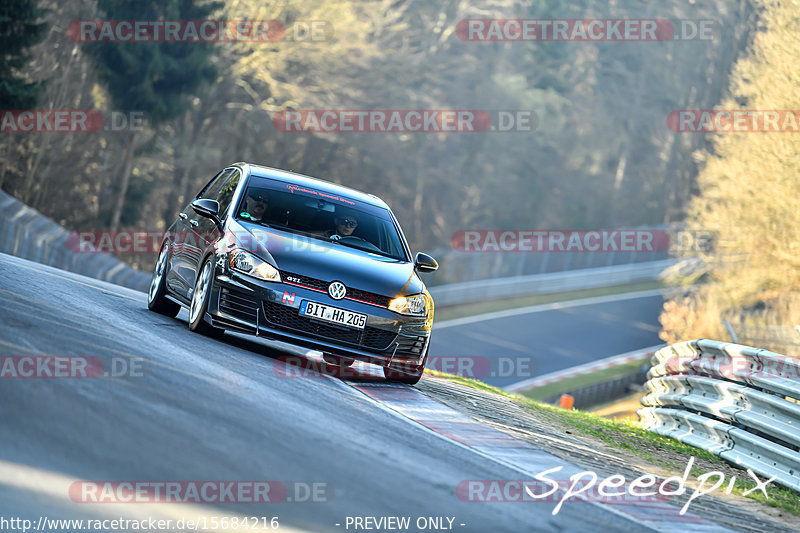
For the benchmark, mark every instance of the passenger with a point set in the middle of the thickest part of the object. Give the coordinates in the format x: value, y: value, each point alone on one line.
x: 344, y: 225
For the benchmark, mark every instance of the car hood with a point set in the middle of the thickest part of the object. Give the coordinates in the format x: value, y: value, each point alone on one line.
x: 326, y: 261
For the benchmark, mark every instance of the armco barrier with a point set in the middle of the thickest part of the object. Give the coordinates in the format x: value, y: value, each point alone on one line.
x: 738, y: 402
x: 26, y: 233
x: 571, y: 280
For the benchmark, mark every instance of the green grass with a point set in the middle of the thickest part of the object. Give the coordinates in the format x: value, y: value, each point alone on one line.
x: 479, y: 308
x: 569, y: 384
x: 629, y: 436
x: 623, y: 434
x: 474, y: 383
x: 779, y: 497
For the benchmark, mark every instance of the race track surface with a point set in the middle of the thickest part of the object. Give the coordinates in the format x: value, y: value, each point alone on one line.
x: 547, y: 338
x: 204, y: 409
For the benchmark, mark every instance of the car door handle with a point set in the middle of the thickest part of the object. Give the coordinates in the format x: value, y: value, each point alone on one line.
x: 184, y: 216
x: 194, y: 223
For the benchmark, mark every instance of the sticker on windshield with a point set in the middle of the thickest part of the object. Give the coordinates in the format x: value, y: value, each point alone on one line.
x: 319, y: 194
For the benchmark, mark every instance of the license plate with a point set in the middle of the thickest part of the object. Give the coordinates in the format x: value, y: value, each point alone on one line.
x: 333, y: 315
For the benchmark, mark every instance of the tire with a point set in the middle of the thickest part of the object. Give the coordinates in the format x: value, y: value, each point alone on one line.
x: 199, y: 305
x: 408, y: 376
x: 156, y: 297
x: 337, y: 360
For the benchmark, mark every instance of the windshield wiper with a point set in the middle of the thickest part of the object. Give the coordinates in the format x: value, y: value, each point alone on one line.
x: 374, y: 250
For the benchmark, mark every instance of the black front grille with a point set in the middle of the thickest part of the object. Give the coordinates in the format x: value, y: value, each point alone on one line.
x: 238, y: 304
x: 289, y: 318
x: 321, y: 285
x: 369, y: 297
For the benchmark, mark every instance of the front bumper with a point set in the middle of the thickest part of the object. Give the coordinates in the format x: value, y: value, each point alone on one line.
x: 271, y: 310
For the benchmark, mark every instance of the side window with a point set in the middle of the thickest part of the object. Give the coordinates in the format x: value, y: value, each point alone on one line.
x: 213, y: 187
x: 225, y: 194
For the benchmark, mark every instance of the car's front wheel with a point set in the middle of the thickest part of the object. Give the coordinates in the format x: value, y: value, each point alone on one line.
x: 156, y: 297
x: 200, y: 297
x: 408, y: 374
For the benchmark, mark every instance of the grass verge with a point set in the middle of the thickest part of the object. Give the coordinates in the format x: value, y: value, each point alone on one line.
x: 630, y: 437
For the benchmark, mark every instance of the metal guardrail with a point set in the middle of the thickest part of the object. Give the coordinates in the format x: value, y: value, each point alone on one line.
x: 26, y: 233
x: 737, y: 402
x: 571, y: 280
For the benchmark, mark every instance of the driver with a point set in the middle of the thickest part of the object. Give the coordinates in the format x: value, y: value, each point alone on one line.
x: 256, y: 205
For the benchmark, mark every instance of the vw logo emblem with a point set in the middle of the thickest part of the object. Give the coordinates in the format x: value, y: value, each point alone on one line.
x: 337, y: 290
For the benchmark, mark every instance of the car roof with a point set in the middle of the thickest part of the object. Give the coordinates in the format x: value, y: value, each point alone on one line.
x: 308, y: 181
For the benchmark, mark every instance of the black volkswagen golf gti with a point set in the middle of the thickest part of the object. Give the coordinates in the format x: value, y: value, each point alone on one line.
x: 300, y: 260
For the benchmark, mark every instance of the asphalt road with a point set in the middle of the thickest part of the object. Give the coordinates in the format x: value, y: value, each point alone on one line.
x: 518, y: 345
x: 203, y: 409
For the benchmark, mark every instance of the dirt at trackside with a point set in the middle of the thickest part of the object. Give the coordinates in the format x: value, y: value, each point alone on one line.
x: 590, y: 453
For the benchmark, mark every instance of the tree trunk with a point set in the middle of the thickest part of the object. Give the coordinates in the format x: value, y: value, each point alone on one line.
x: 126, y: 178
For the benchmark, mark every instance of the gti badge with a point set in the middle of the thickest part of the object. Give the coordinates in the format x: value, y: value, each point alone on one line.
x: 337, y: 290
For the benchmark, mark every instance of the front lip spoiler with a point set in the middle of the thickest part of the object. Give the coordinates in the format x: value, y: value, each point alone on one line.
x: 228, y: 322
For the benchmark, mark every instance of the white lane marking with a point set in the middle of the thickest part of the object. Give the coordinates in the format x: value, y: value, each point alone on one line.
x: 488, y: 339
x: 580, y: 370
x: 494, y: 315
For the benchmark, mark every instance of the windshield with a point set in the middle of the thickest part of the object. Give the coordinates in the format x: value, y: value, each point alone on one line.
x: 321, y: 215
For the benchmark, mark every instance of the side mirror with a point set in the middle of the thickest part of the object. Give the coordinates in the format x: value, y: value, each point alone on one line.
x: 425, y: 263
x: 209, y: 209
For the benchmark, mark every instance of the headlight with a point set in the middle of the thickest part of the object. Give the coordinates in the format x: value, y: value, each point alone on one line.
x: 247, y: 263
x: 409, y: 305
